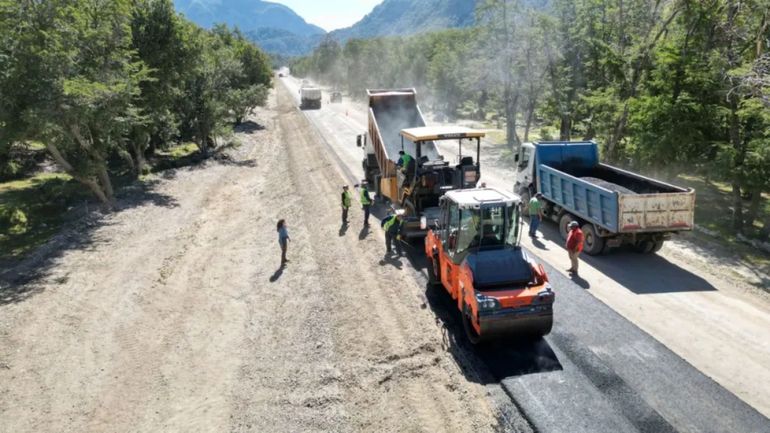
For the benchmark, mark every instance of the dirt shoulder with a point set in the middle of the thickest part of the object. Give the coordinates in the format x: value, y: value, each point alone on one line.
x: 174, y: 316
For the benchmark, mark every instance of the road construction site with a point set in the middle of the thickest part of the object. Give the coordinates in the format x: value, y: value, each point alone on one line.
x: 216, y: 336
x: 683, y: 301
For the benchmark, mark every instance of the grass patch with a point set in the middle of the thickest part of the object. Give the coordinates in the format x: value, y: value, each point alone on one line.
x: 713, y: 211
x: 33, y: 209
x: 177, y: 156
x: 179, y: 151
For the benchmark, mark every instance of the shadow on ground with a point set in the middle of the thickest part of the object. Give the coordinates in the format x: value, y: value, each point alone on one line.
x: 639, y: 273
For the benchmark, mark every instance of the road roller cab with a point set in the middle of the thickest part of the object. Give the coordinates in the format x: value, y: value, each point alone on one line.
x: 474, y: 252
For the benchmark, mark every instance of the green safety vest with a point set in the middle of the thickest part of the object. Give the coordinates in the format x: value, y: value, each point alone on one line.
x: 364, y: 199
x: 346, y: 198
x: 406, y: 158
x: 390, y: 223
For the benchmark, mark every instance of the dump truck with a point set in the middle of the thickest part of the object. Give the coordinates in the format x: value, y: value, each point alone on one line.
x: 310, y: 97
x: 395, y: 124
x: 613, y: 206
x: 474, y: 252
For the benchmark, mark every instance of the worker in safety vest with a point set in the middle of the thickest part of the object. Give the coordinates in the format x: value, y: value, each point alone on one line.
x: 393, y: 225
x: 346, y: 203
x: 403, y: 160
x: 407, y: 164
x: 366, y: 203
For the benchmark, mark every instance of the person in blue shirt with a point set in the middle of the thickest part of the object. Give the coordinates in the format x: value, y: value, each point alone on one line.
x: 283, y: 240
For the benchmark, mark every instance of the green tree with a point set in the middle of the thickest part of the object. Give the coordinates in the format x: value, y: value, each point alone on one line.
x: 75, y: 78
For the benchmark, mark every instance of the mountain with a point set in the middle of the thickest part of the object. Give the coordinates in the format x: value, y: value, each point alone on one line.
x: 279, y: 30
x: 406, y: 17
x: 284, y: 42
x: 247, y: 15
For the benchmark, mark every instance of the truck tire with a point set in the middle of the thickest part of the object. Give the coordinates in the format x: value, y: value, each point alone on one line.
x: 563, y: 222
x: 658, y: 246
x: 645, y: 246
x: 593, y: 244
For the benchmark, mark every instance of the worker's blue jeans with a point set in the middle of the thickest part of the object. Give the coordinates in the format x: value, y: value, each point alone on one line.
x: 534, y: 223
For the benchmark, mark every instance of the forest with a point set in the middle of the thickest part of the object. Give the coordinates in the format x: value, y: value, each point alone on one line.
x: 103, y: 84
x: 665, y: 86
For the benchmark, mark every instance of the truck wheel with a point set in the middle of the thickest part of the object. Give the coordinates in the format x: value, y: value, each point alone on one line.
x: 645, y: 246
x: 470, y: 331
x: 593, y: 243
x: 563, y: 222
x: 658, y: 246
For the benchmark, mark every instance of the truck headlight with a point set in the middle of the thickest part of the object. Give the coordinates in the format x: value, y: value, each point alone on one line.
x: 423, y: 223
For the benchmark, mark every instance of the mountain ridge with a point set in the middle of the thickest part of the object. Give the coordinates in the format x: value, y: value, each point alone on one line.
x: 408, y: 17
x: 247, y: 15
x: 277, y: 29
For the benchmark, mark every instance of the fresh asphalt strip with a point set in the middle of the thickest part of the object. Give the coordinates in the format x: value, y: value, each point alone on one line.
x: 617, y: 378
x: 596, y: 372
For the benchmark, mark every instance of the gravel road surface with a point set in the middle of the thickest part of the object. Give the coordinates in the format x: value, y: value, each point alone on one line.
x: 172, y: 314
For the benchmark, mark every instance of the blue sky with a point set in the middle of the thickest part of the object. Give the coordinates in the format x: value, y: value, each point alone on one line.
x: 331, y: 14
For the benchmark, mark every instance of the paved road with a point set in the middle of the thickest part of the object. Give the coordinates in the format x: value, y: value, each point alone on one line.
x: 596, y: 371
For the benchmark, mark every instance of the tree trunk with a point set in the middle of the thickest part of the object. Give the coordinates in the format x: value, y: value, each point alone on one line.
x: 141, y: 162
x: 565, y: 128
x: 737, y: 207
x: 510, y: 120
x: 754, y: 206
x: 528, y: 124
x: 612, y: 152
x: 740, y: 154
x: 105, y: 182
x: 92, y: 184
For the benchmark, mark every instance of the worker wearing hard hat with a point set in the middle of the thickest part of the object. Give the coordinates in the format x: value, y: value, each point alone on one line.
x: 392, y: 224
x: 574, y: 246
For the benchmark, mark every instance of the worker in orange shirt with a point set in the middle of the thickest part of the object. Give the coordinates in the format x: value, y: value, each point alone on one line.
x: 574, y: 245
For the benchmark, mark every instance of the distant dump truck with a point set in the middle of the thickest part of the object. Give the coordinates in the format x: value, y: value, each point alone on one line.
x: 310, y: 97
x: 613, y: 206
x: 396, y: 124
x: 474, y: 252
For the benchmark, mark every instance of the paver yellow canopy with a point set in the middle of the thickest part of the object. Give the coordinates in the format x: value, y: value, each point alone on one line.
x: 431, y: 133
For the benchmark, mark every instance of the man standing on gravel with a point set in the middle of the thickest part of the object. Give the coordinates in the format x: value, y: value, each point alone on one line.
x: 535, y: 214
x: 366, y: 203
x: 346, y: 202
x: 574, y: 246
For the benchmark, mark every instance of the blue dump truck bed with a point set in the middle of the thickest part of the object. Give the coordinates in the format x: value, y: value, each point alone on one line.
x: 571, y: 176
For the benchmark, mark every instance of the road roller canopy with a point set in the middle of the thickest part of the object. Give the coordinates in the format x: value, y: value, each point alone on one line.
x: 483, y: 218
x: 475, y: 198
x: 431, y: 133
